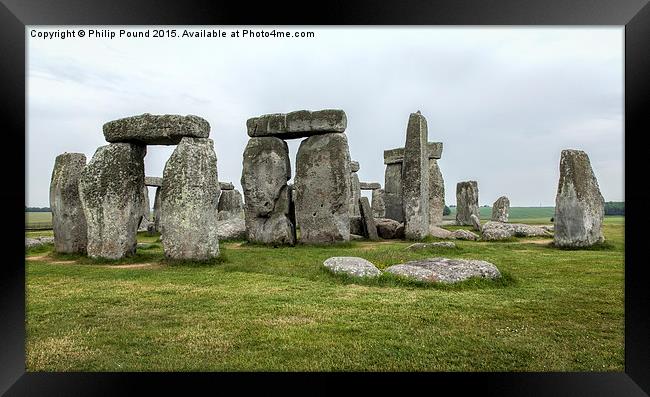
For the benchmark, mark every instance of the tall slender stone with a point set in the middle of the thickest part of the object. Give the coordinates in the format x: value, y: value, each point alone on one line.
x: 369, y: 227
x: 323, y: 188
x: 436, y: 193
x: 156, y: 209
x: 189, y: 200
x: 378, y: 205
x: 466, y: 202
x: 68, y: 219
x: 267, y: 200
x: 500, y: 209
x: 415, y: 178
x: 393, y: 192
x: 355, y: 187
x: 579, y: 205
x: 112, y: 198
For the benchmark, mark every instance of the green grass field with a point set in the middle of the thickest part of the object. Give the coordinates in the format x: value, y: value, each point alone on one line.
x: 276, y: 309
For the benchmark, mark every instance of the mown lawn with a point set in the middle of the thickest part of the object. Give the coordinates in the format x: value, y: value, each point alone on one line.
x: 276, y: 309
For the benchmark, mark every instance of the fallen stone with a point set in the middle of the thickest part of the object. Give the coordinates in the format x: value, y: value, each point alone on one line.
x: 387, y: 228
x: 415, y: 179
x: 461, y: 234
x: 368, y: 221
x: 449, y: 222
x: 439, y: 232
x: 352, y: 266
x: 153, y: 181
x: 231, y: 229
x: 68, y: 218
x: 34, y: 242
x: 500, y: 209
x: 189, y: 201
x: 501, y: 231
x: 110, y: 189
x: 378, y: 204
x: 445, y: 270
x: 579, y: 205
x: 231, y: 205
x: 436, y: 193
x: 369, y: 185
x: 427, y: 246
x: 149, y: 129
x: 476, y: 222
x: 298, y: 124
x: 466, y: 202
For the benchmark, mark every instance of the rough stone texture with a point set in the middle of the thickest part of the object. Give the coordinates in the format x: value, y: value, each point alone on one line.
x: 352, y: 266
x: 37, y: 241
x: 466, y: 202
x: 323, y: 188
x: 110, y: 188
x: 156, y: 210
x: 356, y: 194
x: 368, y: 221
x: 436, y: 193
x: 151, y: 229
x: 439, y: 232
x: 579, y: 205
x: 146, y: 209
x: 493, y: 230
x: 354, y: 166
x: 392, y: 156
x: 189, y: 200
x: 393, y: 192
x: 356, y: 225
x: 445, y: 270
x: 428, y: 246
x: 370, y: 185
x: 387, y: 228
x: 298, y: 124
x: 476, y: 222
x: 378, y: 204
x: 154, y: 181
x: 356, y: 237
x: 267, y: 199
x: 450, y: 222
x: 231, y: 229
x: 68, y: 219
x: 226, y: 186
x: 150, y: 129
x: 231, y: 205
x: 461, y: 234
x: 500, y: 209
x: 415, y: 179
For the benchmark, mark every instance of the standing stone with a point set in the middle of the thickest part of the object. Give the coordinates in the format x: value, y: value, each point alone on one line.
x: 378, y: 204
x: 500, y: 209
x: 266, y: 170
x: 466, y: 202
x: 189, y: 200
x: 146, y: 209
x: 111, y: 195
x: 393, y: 192
x: 156, y: 209
x: 369, y: 226
x: 476, y: 222
x: 356, y: 194
x: 579, y: 205
x: 323, y: 188
x: 68, y: 219
x: 231, y: 205
x: 436, y: 193
x: 415, y: 178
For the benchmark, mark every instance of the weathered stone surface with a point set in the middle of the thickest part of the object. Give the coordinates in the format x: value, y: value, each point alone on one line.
x: 356, y: 237
x: 150, y: 129
x: 396, y: 156
x: 231, y: 229
x: 189, y: 201
x: 493, y: 230
x: 393, y: 192
x: 352, y: 266
x: 153, y: 181
x: 267, y: 199
x: 110, y: 189
x: 378, y: 204
x: 450, y: 222
x: 369, y: 226
x: 68, y: 219
x: 415, y: 179
x: 387, y: 228
x: 439, y: 232
x: 323, y: 188
x: 461, y: 234
x: 370, y: 185
x: 151, y: 229
x: 156, y: 210
x: 226, y: 186
x: 146, y: 209
x: 466, y: 202
x: 356, y: 194
x: 445, y: 270
x: 298, y: 124
x: 354, y: 166
x: 476, y: 222
x: 501, y: 209
x: 37, y: 241
x: 436, y: 193
x: 356, y: 225
x: 579, y: 205
x: 429, y: 246
x: 231, y: 205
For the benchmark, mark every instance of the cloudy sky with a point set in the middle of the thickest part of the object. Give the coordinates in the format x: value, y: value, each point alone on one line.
x: 505, y: 101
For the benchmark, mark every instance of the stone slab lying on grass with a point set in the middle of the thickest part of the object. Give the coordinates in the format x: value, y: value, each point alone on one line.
x: 423, y: 246
x: 231, y: 229
x: 388, y: 228
x: 462, y: 234
x: 439, y: 232
x: 445, y: 270
x: 500, y: 231
x: 31, y: 242
x: 151, y: 129
x: 353, y: 266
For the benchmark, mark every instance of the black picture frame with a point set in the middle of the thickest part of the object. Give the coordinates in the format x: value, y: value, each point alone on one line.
x: 16, y: 14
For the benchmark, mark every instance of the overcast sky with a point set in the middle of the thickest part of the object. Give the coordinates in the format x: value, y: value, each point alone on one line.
x: 504, y: 101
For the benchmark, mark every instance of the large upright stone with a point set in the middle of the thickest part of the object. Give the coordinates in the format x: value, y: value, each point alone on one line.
x: 579, y: 205
x: 156, y: 210
x: 466, y: 202
x: 112, y: 198
x: 267, y: 199
x: 393, y: 192
x: 378, y: 204
x: 189, y: 199
x: 323, y: 188
x: 500, y: 209
x: 415, y: 178
x: 369, y: 227
x: 150, y: 129
x: 436, y: 194
x: 231, y: 205
x: 356, y: 194
x: 68, y: 219
x: 298, y: 124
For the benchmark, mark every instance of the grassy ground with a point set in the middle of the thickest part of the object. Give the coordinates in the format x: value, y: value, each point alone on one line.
x: 262, y: 308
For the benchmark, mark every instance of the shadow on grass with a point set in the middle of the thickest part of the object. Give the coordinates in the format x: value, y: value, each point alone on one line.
x: 604, y: 246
